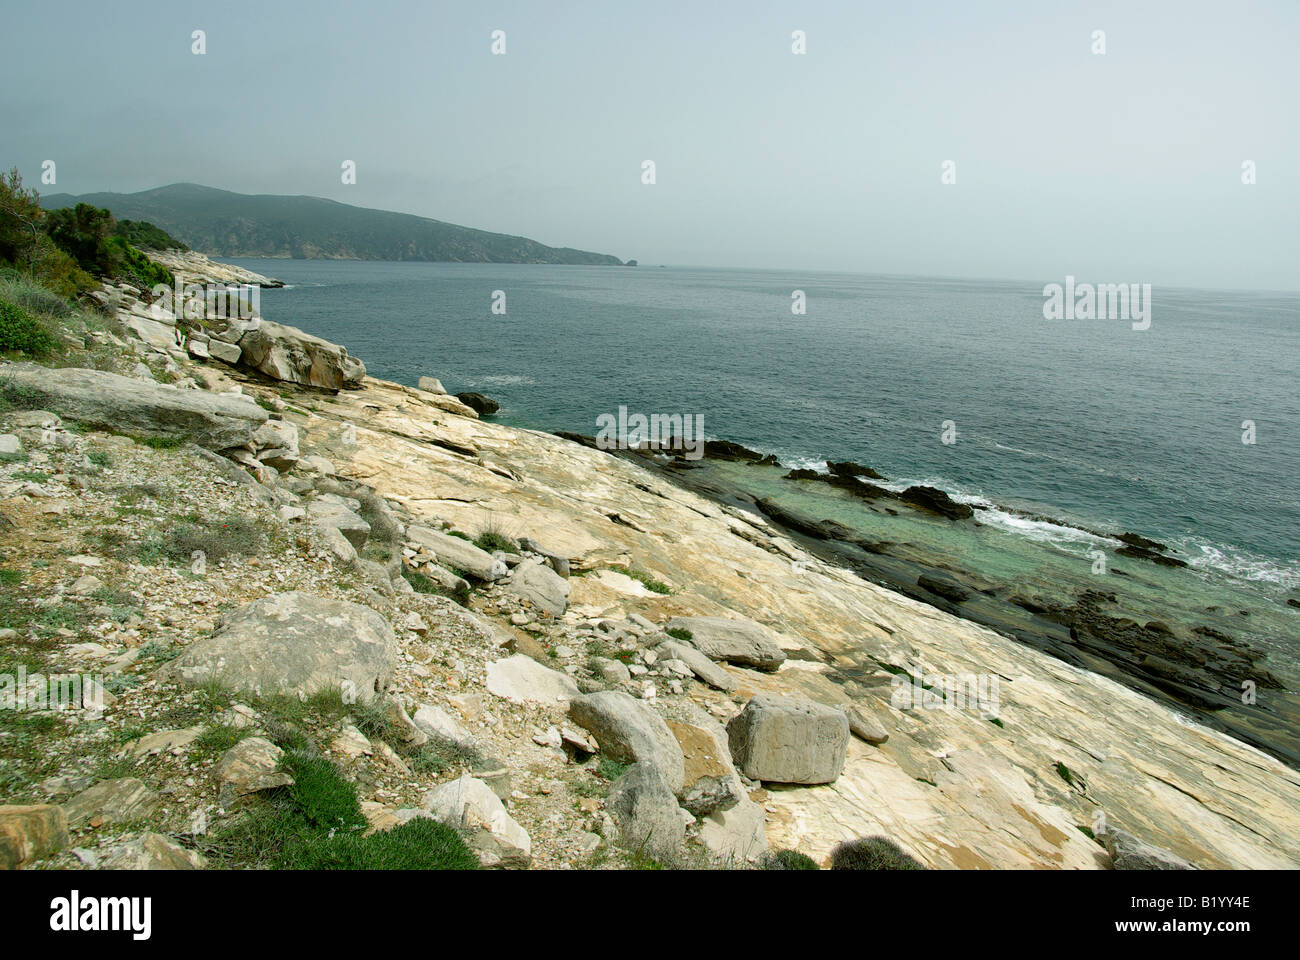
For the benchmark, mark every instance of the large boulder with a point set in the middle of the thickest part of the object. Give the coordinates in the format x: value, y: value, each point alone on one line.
x: 454, y: 552
x: 646, y: 811
x: 484, y: 406
x: 130, y: 405
x: 742, y: 642
x: 789, y: 740
x: 287, y: 353
x: 710, y: 782
x: 539, y: 585
x: 470, y: 805
x: 29, y: 833
x: 294, y: 643
x: 630, y: 732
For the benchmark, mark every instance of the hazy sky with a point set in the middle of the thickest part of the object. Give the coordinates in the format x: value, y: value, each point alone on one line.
x: 1122, y: 167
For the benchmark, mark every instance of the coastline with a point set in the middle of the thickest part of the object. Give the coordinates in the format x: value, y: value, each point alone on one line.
x: 1026, y: 786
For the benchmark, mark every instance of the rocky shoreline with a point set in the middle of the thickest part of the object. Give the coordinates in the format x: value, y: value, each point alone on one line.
x: 1193, y: 667
x: 573, y: 659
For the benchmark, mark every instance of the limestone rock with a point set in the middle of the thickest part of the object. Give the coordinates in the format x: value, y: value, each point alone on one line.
x: 864, y: 726
x: 127, y: 404
x: 789, y: 740
x: 453, y: 551
x: 435, y: 722
x: 470, y: 804
x: 431, y: 385
x: 540, y: 585
x: 710, y: 781
x: 700, y: 665
x: 29, y: 833
x: 294, y: 643
x: 742, y: 642
x: 113, y: 801
x: 631, y: 732
x: 251, y: 765
x: 520, y: 679
x: 287, y: 353
x: 329, y: 511
x: 646, y: 811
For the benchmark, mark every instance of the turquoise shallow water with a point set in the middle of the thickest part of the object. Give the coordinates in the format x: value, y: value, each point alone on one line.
x: 1084, y: 419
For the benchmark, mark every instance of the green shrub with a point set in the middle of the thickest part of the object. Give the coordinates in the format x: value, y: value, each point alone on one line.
x: 140, y: 233
x: 872, y: 853
x: 231, y: 536
x: 680, y: 633
x: 420, y: 844
x: 490, y: 540
x: 789, y: 860
x: 21, y: 332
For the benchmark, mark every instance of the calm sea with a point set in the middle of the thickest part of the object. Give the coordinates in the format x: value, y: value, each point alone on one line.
x: 1085, y: 420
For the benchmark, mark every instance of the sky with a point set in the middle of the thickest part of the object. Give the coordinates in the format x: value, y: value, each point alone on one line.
x: 1122, y: 166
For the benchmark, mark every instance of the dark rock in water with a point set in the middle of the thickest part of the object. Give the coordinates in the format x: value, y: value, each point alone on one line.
x: 804, y: 474
x: 943, y: 586
x: 936, y: 501
x: 843, y: 481
x: 580, y: 438
x: 1141, y: 542
x: 845, y: 468
x: 480, y: 404
x: 726, y: 450
x: 1292, y: 602
x: 1142, y: 553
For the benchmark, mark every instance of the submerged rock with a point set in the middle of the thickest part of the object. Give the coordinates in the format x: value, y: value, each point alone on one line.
x: 480, y: 404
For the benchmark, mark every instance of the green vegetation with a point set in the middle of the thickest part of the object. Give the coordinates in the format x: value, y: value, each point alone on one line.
x: 145, y: 235
x: 20, y: 332
x: 316, y: 824
x: 680, y: 633
x: 872, y: 853
x: 611, y: 770
x: 230, y: 536
x: 89, y: 235
x: 490, y: 540
x: 422, y: 584
x: 229, y: 224
x: 789, y: 860
x: 649, y: 582
x: 25, y: 245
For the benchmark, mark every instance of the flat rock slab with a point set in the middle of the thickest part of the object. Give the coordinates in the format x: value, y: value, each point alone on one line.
x: 521, y: 679
x: 330, y: 513
x: 789, y: 740
x: 455, y: 552
x: 742, y: 642
x: 294, y: 643
x: 700, y: 665
x: 113, y: 801
x: 130, y: 405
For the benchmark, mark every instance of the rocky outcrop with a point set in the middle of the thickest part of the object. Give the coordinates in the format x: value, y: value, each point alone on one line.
x: 294, y: 643
x: 630, y: 732
x: 287, y: 353
x: 742, y: 642
x: 789, y: 740
x: 1127, y: 852
x: 143, y: 407
x: 483, y: 406
x: 644, y: 807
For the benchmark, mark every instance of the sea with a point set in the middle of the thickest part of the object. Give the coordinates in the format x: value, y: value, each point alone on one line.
x: 1186, y: 432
